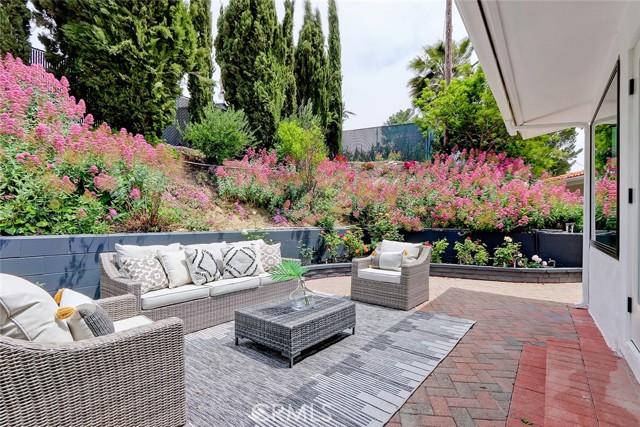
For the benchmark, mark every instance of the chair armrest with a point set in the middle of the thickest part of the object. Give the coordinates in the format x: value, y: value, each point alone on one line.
x: 120, y: 307
x: 113, y: 284
x: 421, y: 263
x: 133, y: 377
x: 360, y: 263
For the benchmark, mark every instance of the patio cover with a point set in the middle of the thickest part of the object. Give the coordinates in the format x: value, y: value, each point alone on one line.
x: 545, y: 61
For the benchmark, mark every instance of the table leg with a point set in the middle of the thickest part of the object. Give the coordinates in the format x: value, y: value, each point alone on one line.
x: 290, y: 362
x: 236, y: 340
x: 353, y: 330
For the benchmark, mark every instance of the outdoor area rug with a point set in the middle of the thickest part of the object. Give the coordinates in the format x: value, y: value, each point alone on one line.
x: 352, y: 380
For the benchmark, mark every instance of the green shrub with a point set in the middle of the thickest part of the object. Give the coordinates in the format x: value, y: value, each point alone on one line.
x: 304, y: 144
x: 221, y: 134
x: 437, y: 249
x: 471, y: 252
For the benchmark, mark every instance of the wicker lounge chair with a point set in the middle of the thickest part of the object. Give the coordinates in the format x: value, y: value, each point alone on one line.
x: 412, y: 289
x: 129, y: 378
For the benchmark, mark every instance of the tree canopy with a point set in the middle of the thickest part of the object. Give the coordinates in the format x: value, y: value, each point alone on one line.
x: 253, y: 73
x: 429, y: 66
x: 334, y: 84
x: 200, y: 83
x: 469, y: 111
x: 124, y: 59
x: 401, y: 117
x: 15, y: 29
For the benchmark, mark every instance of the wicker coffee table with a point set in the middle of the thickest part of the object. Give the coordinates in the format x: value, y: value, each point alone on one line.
x: 276, y: 325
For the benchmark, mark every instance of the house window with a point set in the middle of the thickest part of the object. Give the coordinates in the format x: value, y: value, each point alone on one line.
x: 604, y: 169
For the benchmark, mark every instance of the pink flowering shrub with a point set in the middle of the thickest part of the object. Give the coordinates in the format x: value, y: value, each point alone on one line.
x: 59, y: 174
x: 607, y: 197
x: 475, y: 190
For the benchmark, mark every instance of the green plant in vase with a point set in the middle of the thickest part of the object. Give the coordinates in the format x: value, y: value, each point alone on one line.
x: 301, y: 298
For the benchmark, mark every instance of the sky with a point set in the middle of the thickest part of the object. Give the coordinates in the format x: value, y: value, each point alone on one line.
x: 378, y: 39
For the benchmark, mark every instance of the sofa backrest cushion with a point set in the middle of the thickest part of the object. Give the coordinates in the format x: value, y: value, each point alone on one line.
x: 28, y: 312
x: 175, y: 265
x: 133, y: 251
x: 214, y: 248
x: 413, y: 249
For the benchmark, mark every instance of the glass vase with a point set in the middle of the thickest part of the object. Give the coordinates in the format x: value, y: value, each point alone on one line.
x: 302, y: 298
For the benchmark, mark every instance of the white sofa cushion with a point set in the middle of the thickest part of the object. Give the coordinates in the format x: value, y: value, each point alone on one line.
x: 28, y: 312
x: 134, y: 251
x: 131, y: 322
x: 413, y: 249
x: 265, y: 279
x: 169, y: 296
x: 387, y: 276
x: 227, y: 286
x: 175, y: 265
x: 203, y: 266
x: 387, y: 260
x: 214, y: 248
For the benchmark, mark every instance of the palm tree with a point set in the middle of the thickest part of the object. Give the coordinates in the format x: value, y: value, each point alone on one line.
x: 429, y: 67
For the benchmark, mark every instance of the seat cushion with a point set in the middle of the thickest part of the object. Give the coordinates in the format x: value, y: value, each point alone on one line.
x: 131, y: 322
x: 169, y: 296
x: 226, y: 286
x: 27, y: 312
x: 265, y: 279
x: 387, y: 276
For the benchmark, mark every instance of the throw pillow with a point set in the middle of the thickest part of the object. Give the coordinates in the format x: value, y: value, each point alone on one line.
x: 148, y: 272
x: 413, y: 249
x: 388, y: 260
x: 240, y: 261
x: 270, y: 256
x: 133, y: 251
x: 70, y: 298
x: 175, y: 265
x: 86, y: 321
x: 214, y: 248
x: 202, y: 266
x: 27, y: 312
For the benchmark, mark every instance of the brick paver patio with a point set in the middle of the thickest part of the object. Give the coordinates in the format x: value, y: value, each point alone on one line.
x: 474, y: 385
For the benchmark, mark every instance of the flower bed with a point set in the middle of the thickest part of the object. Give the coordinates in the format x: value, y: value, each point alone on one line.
x: 59, y: 174
x: 476, y: 191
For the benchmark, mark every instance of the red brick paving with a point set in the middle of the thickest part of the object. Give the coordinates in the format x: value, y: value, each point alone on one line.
x: 474, y: 385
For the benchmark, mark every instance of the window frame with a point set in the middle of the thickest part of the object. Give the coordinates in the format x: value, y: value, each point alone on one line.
x: 613, y: 252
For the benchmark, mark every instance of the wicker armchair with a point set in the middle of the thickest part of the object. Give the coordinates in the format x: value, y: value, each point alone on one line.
x: 130, y: 378
x: 412, y: 290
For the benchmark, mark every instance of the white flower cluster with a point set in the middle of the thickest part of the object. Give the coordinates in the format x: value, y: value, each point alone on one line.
x: 539, y: 260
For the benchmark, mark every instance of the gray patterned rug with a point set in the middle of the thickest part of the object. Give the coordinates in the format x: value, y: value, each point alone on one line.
x: 352, y: 380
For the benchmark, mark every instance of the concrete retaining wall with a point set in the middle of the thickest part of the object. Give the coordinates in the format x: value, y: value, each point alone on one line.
x: 72, y: 261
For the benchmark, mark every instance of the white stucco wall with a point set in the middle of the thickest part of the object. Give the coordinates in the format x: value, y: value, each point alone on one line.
x: 610, y: 281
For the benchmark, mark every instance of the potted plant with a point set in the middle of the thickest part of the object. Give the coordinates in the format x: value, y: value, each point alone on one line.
x: 301, y: 298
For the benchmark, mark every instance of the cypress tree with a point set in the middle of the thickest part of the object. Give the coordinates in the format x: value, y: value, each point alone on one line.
x: 15, y: 29
x: 249, y: 50
x: 311, y: 64
x: 290, y: 101
x: 334, y: 85
x: 124, y: 59
x: 200, y: 83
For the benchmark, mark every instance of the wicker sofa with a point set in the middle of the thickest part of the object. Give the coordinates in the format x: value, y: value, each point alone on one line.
x: 130, y: 378
x: 205, y: 309
x: 401, y: 291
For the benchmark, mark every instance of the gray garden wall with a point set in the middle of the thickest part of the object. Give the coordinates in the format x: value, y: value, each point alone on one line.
x: 72, y: 261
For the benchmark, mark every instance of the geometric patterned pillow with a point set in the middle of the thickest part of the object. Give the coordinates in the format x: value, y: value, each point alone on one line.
x: 271, y: 256
x: 240, y: 261
x: 202, y: 266
x: 148, y: 272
